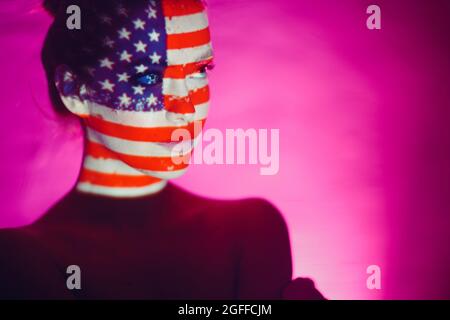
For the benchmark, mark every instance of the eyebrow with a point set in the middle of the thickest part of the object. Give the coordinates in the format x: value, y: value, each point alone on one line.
x: 174, y: 73
x: 201, y: 63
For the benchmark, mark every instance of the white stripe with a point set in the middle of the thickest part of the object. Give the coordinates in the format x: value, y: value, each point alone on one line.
x: 112, y: 166
x: 181, y: 87
x: 109, y: 166
x: 138, y: 148
x: 187, y: 23
x: 189, y: 55
x: 143, y: 119
x: 121, y: 192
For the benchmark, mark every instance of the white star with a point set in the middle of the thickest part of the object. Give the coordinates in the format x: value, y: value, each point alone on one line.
x: 83, y: 90
x: 140, y: 46
x: 154, y: 36
x: 138, y: 90
x: 155, y: 57
x: 106, y: 85
x: 125, y: 56
x: 123, y: 77
x: 106, y: 63
x: 139, y: 24
x: 125, y: 100
x: 106, y: 19
x: 141, y: 68
x: 68, y: 77
x: 151, y: 13
x: 152, y: 100
x: 124, y: 34
x: 108, y: 42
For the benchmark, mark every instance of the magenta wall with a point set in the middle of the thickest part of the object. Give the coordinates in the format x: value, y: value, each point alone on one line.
x: 364, y: 141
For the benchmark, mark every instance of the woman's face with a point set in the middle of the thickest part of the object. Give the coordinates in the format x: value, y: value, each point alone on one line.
x: 150, y: 80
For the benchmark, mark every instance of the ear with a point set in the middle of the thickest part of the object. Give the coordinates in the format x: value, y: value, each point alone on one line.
x: 68, y: 87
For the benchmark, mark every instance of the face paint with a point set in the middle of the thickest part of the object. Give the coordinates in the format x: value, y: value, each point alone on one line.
x: 150, y: 81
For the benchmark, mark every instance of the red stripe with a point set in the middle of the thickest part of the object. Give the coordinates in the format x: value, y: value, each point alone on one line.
x: 200, y: 96
x: 116, y: 180
x: 181, y: 71
x: 158, y: 134
x: 97, y: 150
x: 178, y: 105
x: 186, y: 104
x: 172, y: 8
x: 188, y: 39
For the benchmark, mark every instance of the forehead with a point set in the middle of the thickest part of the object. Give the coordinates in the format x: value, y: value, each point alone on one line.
x: 172, y: 33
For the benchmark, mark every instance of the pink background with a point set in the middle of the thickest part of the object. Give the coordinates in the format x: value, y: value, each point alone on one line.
x: 363, y: 116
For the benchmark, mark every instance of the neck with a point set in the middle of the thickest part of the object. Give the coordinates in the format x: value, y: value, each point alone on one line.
x: 103, y: 174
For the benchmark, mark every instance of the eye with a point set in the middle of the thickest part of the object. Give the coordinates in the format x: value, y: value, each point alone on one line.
x: 149, y: 79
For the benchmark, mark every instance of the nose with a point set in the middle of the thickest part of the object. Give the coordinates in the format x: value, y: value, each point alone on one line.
x: 177, y: 100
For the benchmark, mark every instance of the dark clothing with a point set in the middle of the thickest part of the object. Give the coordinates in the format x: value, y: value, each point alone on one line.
x: 172, y: 245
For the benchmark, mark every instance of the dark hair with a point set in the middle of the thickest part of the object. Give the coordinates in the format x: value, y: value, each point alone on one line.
x: 75, y: 48
x: 51, y: 6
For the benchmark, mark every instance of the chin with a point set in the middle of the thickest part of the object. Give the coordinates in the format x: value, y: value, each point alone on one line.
x: 165, y: 175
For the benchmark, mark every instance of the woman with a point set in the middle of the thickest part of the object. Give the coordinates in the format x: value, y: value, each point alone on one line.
x: 136, y: 74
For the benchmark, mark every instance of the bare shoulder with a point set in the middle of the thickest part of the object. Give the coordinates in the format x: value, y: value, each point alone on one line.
x: 250, y: 217
x: 260, y: 235
x: 250, y: 211
x: 257, y: 212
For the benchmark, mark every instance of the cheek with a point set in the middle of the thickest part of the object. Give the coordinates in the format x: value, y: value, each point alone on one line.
x: 198, y: 90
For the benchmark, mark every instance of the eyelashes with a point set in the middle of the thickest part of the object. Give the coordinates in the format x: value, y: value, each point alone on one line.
x: 202, y: 72
x: 208, y: 67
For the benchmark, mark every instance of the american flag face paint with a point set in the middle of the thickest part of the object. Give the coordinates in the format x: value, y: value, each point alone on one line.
x: 149, y: 81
